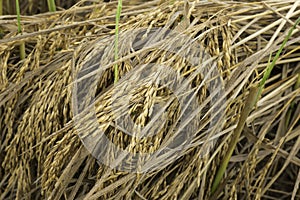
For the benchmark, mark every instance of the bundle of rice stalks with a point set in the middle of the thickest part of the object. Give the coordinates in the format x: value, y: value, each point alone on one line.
x: 162, y: 131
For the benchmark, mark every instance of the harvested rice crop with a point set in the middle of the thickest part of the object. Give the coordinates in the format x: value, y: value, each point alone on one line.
x: 161, y: 132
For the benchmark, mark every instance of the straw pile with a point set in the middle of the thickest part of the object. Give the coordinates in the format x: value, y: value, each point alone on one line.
x: 43, y: 140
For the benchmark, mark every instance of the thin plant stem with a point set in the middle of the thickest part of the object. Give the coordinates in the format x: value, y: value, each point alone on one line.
x: 1, y: 13
x: 51, y: 5
x: 293, y: 104
x: 1, y: 7
x: 18, y: 16
x: 297, y: 85
x: 22, y: 50
x: 8, y: 6
x: 235, y: 138
x: 118, y: 15
x: 22, y: 45
x: 254, y: 95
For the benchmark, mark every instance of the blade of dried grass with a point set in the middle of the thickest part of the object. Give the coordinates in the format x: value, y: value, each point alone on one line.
x: 125, y: 191
x: 267, y: 105
x: 296, y: 186
x: 68, y: 173
x: 292, y: 107
x: 80, y: 179
x: 282, y: 16
x: 112, y: 186
x: 143, y: 198
x: 288, y: 15
x: 292, y: 154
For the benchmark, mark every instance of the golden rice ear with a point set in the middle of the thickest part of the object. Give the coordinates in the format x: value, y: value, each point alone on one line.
x: 41, y: 153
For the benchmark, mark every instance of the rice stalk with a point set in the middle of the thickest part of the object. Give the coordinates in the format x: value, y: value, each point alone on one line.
x: 40, y: 137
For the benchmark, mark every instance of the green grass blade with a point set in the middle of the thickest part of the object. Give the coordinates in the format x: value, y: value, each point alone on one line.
x: 18, y: 16
x: 118, y: 15
x: 236, y: 135
x: 51, y: 5
x: 1, y: 7
x: 22, y: 45
x: 271, y: 66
